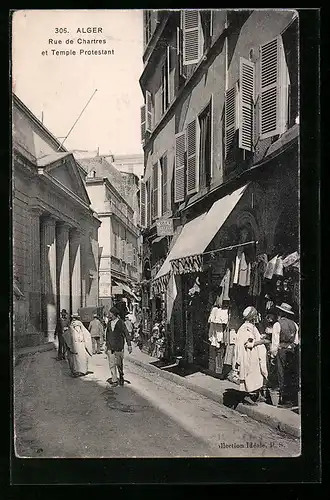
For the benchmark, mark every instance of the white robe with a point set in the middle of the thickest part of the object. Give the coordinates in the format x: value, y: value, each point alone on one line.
x: 252, y: 364
x: 79, y: 342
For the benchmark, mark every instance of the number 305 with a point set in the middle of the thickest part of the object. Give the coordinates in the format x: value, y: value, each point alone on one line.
x: 61, y: 30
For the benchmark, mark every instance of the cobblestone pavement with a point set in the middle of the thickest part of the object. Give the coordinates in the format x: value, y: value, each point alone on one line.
x: 59, y: 416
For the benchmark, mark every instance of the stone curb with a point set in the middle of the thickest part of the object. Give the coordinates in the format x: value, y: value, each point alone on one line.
x: 29, y: 351
x: 250, y: 411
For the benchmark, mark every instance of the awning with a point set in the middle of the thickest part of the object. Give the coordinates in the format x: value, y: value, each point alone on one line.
x: 197, y: 234
x: 125, y: 287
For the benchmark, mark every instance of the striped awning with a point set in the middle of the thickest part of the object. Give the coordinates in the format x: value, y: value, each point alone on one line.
x: 186, y: 254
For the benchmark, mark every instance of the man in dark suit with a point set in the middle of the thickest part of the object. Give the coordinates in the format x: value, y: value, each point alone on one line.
x: 116, y: 334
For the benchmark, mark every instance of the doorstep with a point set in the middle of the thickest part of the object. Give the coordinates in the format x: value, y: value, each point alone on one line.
x: 281, y: 419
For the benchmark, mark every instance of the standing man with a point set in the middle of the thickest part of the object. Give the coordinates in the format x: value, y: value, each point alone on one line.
x: 96, y: 331
x: 122, y: 308
x: 116, y: 334
x: 61, y: 327
x: 284, y: 349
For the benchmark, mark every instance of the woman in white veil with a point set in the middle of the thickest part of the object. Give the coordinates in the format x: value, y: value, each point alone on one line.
x: 79, y: 344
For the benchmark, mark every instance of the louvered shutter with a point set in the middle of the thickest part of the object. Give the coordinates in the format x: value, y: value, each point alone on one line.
x: 142, y: 204
x: 149, y: 111
x: 148, y: 189
x: 230, y: 118
x: 168, y: 74
x: 246, y: 104
x: 164, y: 184
x: 192, y: 157
x: 155, y: 191
x: 179, y: 168
x: 273, y: 89
x: 143, y: 123
x: 130, y: 253
x: 192, y: 35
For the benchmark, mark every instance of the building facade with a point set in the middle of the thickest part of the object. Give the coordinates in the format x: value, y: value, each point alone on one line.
x: 130, y: 164
x: 54, y: 231
x: 220, y: 131
x: 119, y: 236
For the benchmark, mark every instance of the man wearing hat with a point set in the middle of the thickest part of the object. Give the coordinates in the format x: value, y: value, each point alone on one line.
x: 96, y: 330
x: 284, y: 349
x: 61, y: 327
x: 116, y: 334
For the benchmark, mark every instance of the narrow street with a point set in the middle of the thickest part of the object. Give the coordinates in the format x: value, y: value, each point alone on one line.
x: 61, y: 417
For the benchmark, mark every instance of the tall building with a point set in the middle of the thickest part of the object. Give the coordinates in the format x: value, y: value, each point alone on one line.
x: 220, y: 131
x: 115, y: 200
x: 54, y: 229
x: 130, y: 164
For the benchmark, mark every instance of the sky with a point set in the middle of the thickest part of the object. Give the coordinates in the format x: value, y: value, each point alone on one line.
x: 60, y: 86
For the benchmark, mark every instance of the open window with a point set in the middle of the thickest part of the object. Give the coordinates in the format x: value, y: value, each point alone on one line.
x: 205, y: 146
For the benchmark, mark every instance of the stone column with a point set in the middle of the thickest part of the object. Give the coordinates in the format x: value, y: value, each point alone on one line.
x: 48, y: 277
x: 63, y: 267
x: 35, y: 273
x: 75, y: 269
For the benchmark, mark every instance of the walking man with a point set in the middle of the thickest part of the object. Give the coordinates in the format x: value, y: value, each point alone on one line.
x: 116, y: 334
x: 61, y: 327
x: 96, y: 331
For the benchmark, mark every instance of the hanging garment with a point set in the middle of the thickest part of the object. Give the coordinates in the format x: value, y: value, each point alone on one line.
x: 248, y: 277
x: 278, y: 270
x: 259, y: 268
x: 237, y: 265
x: 229, y: 355
x: 253, y: 277
x: 232, y: 336
x: 225, y: 283
x: 220, y: 315
x: 290, y: 259
x: 270, y: 268
x: 215, y: 334
x: 243, y: 270
x: 232, y: 274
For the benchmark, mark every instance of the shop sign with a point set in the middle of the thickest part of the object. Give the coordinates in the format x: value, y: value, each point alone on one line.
x: 117, y: 290
x: 164, y: 227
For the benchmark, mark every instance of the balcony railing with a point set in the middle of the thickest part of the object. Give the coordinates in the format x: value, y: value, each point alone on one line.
x: 123, y: 218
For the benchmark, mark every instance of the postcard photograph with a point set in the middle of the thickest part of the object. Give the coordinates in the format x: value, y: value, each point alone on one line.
x: 156, y: 233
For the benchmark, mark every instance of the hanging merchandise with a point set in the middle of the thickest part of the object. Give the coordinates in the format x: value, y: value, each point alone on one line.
x: 270, y: 268
x: 278, y: 270
x: 291, y: 259
x: 232, y: 274
x: 257, y: 273
x: 243, y: 271
x: 248, y: 277
x: 225, y: 283
x: 215, y: 334
x: 236, y: 268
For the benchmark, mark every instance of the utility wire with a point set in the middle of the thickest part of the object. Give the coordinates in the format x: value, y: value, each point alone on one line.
x: 65, y: 138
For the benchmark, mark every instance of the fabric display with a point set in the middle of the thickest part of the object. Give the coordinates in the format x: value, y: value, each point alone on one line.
x: 278, y: 270
x: 291, y: 259
x: 225, y: 283
x: 258, y: 270
x: 160, y: 285
x: 215, y: 334
x: 269, y: 272
x: 195, y: 289
x: 190, y: 264
x: 218, y: 315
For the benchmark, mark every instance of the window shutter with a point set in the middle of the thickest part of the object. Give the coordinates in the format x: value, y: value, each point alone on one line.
x: 143, y: 123
x: 149, y: 111
x: 246, y: 104
x: 179, y: 169
x: 192, y: 163
x: 142, y: 204
x: 192, y: 37
x: 130, y: 253
x: 273, y: 89
x: 155, y: 191
x: 164, y: 184
x: 168, y: 76
x: 148, y: 189
x: 230, y: 117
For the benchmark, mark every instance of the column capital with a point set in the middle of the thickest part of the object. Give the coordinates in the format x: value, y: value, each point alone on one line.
x: 36, y: 211
x: 77, y: 231
x: 63, y: 225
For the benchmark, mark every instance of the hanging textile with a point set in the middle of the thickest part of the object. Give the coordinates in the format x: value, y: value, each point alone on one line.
x: 218, y: 316
x: 291, y: 259
x: 225, y: 283
x: 278, y: 270
x: 190, y: 264
x: 257, y: 273
x: 236, y: 268
x: 270, y: 268
x: 248, y: 277
x: 243, y: 271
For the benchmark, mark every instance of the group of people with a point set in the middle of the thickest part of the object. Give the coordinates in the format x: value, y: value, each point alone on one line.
x: 77, y: 344
x: 268, y: 361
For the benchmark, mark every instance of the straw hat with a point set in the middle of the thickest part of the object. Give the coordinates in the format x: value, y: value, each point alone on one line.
x: 285, y: 308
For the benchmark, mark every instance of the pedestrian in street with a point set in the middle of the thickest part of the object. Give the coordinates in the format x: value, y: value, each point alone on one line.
x: 61, y: 327
x: 250, y: 362
x: 96, y: 331
x: 116, y: 334
x: 79, y: 344
x: 122, y: 308
x: 284, y: 350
